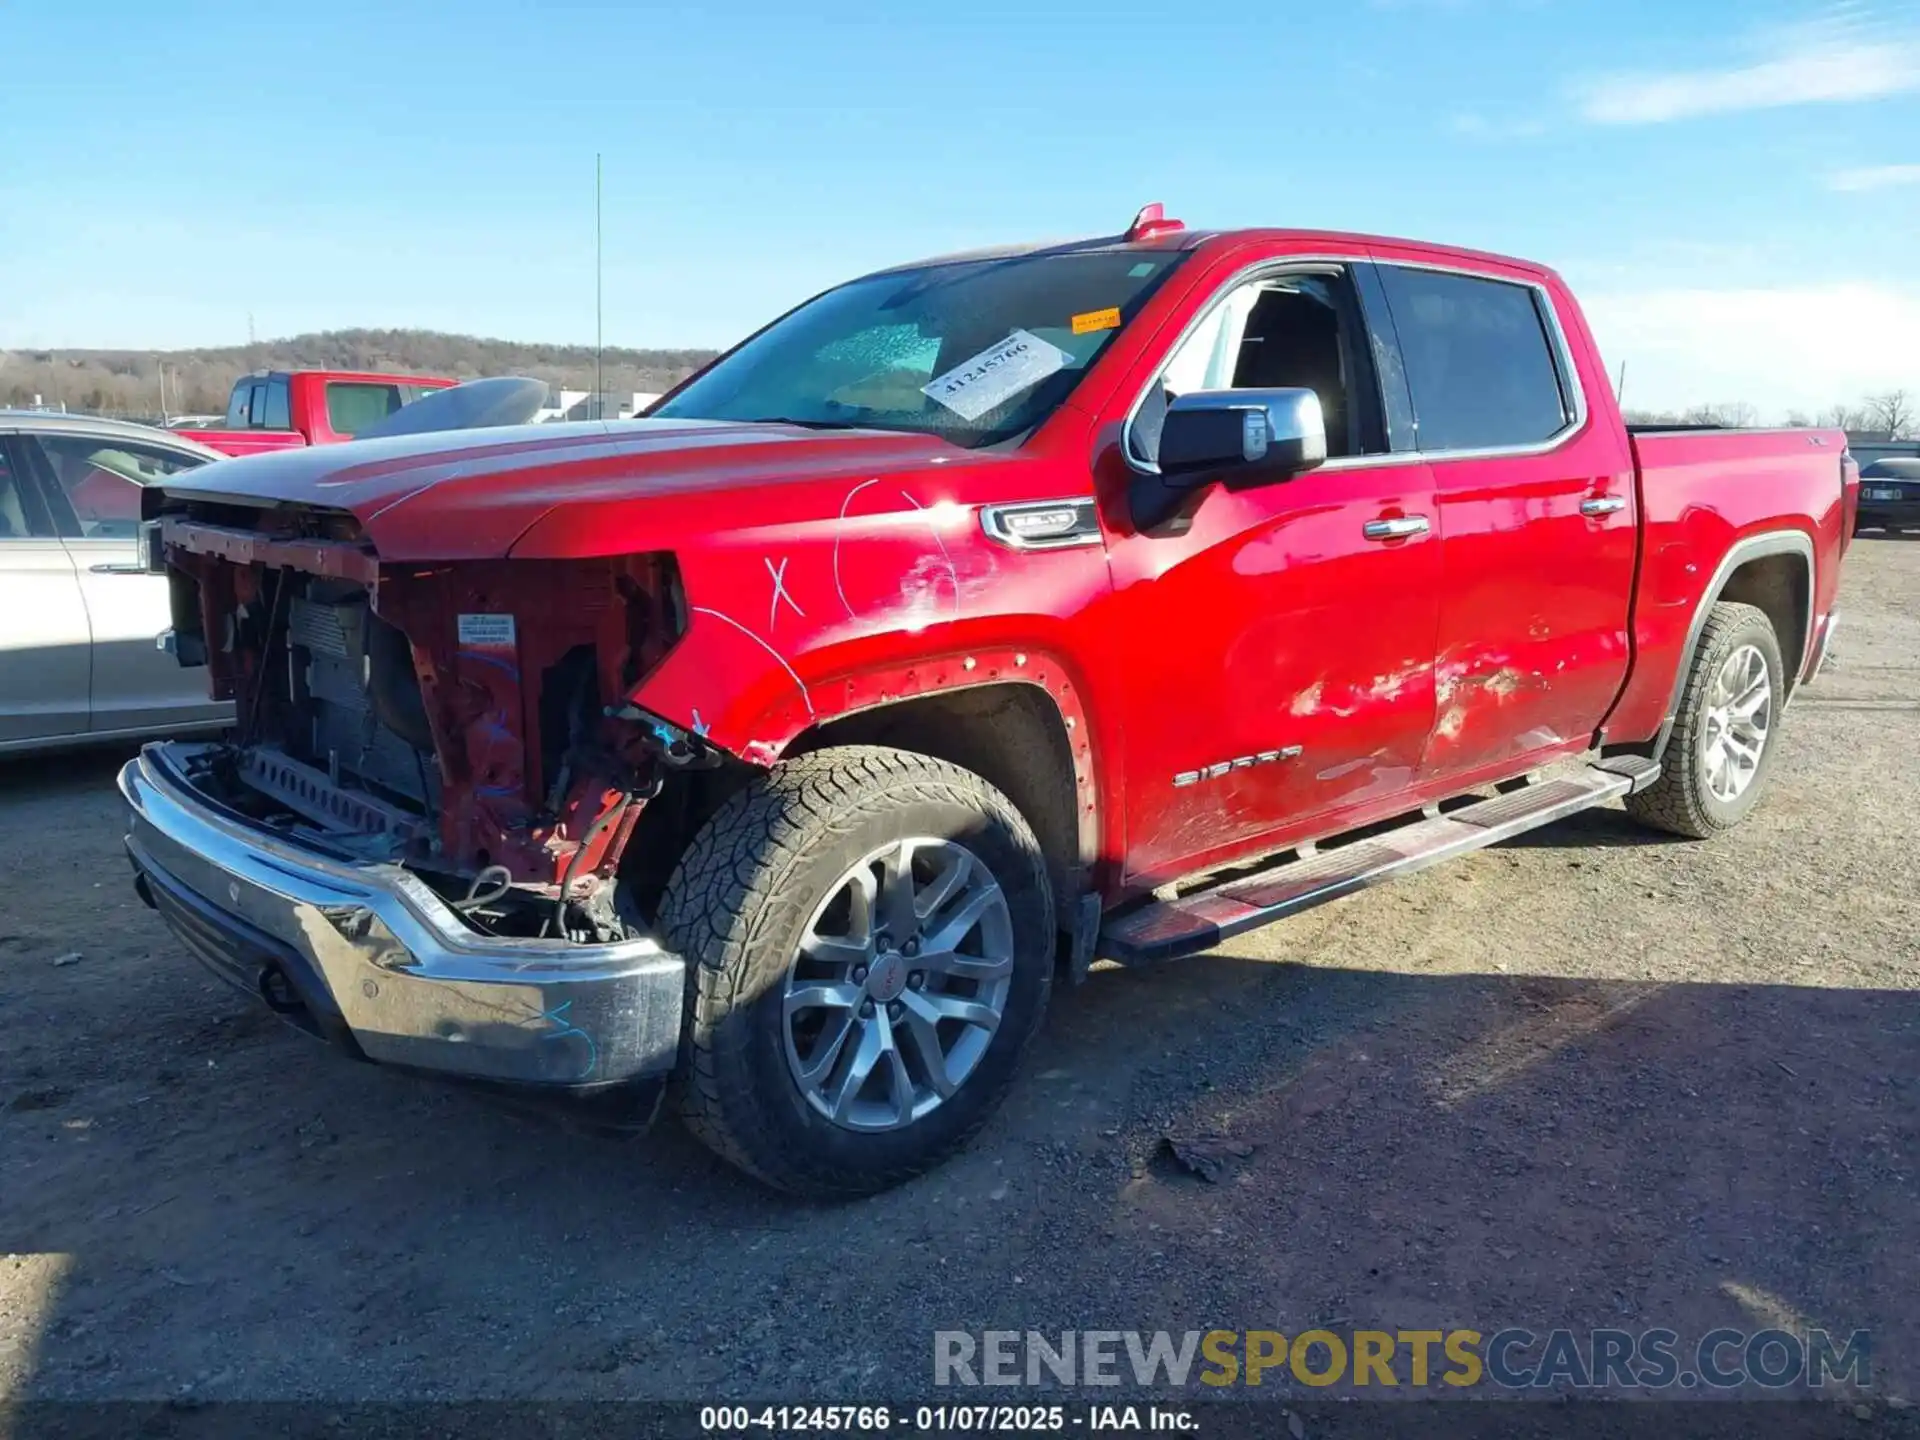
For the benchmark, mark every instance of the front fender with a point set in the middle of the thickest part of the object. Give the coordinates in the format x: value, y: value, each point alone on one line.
x: 794, y: 625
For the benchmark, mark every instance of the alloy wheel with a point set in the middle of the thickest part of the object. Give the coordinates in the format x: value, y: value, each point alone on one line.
x: 900, y: 981
x: 1739, y: 715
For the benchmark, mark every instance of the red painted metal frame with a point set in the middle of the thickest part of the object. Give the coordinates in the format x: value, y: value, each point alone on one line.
x: 341, y: 560
x: 500, y: 803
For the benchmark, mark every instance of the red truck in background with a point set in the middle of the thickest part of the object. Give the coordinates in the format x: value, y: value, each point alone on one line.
x: 973, y: 621
x: 286, y: 409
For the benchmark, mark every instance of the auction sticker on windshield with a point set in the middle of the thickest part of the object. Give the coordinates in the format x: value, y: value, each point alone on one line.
x: 995, y: 375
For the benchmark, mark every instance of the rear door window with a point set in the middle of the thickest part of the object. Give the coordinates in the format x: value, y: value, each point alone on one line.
x: 356, y: 405
x: 1478, y: 361
x: 279, y: 414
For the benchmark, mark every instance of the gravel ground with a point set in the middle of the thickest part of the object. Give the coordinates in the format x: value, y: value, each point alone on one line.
x: 1590, y: 1079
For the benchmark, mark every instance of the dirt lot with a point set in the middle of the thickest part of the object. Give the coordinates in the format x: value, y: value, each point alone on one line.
x: 1592, y: 1079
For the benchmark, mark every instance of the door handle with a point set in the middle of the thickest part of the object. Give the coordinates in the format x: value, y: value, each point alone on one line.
x: 1602, y: 505
x: 106, y: 569
x: 1398, y: 528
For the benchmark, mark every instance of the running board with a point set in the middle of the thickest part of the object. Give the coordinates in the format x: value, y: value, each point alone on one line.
x: 1194, y: 923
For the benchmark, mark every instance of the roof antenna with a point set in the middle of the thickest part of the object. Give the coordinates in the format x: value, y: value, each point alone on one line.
x: 1152, y: 222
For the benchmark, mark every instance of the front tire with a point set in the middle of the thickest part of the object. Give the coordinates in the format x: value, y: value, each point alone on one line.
x: 1721, y: 751
x: 869, y: 940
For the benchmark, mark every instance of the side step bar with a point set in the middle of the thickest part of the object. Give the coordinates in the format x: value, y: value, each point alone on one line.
x: 1194, y: 923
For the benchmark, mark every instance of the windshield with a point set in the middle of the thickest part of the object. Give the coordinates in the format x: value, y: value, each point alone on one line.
x: 973, y: 351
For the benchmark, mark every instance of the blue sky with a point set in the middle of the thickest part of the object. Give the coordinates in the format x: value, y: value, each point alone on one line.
x: 1733, y: 187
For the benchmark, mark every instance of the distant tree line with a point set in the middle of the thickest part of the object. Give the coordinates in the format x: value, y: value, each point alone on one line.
x: 1892, y: 415
x: 197, y: 382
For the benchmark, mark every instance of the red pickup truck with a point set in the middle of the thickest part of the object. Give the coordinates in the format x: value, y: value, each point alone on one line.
x: 285, y: 409
x: 975, y: 620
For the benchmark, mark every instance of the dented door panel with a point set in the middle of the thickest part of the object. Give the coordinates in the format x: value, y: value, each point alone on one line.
x: 1533, y: 640
x: 1279, y: 664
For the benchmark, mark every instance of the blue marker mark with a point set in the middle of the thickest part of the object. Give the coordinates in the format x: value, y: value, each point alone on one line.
x: 493, y: 660
x: 565, y: 1027
x: 700, y: 727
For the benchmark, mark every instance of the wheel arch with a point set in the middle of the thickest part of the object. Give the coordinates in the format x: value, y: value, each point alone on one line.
x: 1010, y: 709
x: 1774, y: 572
x: 1024, y: 735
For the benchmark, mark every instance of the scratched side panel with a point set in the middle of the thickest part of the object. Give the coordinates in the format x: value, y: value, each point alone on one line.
x: 1270, y: 625
x: 1533, y: 643
x: 893, y: 578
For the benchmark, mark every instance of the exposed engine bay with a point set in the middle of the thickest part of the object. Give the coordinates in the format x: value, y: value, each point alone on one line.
x: 465, y: 720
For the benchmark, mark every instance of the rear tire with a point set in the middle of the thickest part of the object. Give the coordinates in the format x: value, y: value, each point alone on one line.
x: 1721, y: 751
x: 794, y: 887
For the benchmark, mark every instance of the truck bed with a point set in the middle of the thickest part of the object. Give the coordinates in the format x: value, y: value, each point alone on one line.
x: 1702, y: 491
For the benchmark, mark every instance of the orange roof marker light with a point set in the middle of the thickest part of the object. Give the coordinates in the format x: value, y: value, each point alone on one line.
x: 1152, y: 222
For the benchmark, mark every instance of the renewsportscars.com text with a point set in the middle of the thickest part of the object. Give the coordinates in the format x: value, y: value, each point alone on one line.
x: 1514, y: 1359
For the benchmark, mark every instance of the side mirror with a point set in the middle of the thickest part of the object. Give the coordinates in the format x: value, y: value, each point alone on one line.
x: 1248, y: 435
x: 1268, y: 434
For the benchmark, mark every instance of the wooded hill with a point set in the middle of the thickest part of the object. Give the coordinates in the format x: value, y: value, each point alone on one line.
x: 127, y: 382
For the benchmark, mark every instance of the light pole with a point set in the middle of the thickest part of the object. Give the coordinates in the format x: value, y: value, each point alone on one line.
x: 599, y: 402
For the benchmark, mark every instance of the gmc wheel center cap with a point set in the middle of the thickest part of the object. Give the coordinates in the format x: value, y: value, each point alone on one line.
x: 887, y: 978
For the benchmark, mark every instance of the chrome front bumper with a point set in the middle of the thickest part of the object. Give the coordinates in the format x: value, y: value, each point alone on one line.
x: 370, y: 957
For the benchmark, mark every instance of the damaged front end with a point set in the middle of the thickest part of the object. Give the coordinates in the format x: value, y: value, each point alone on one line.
x: 464, y: 720
x: 412, y: 843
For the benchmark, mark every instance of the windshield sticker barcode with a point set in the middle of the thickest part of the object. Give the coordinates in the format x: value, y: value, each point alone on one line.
x: 486, y: 631
x: 995, y: 375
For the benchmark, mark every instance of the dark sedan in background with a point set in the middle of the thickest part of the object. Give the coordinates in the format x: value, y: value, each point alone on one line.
x: 1890, y: 495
